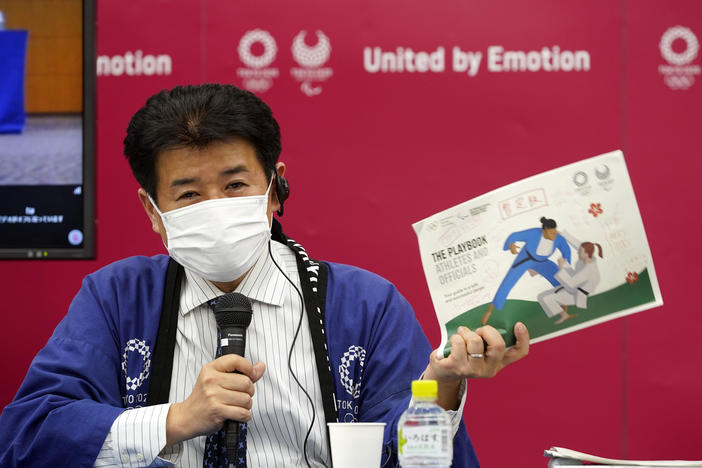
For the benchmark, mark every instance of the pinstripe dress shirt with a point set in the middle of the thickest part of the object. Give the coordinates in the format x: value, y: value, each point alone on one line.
x: 281, y: 413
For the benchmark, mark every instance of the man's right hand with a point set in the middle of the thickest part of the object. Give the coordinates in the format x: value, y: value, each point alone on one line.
x: 513, y: 248
x: 218, y: 395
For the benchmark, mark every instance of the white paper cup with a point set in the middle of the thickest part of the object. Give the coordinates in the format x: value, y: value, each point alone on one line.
x: 355, y: 445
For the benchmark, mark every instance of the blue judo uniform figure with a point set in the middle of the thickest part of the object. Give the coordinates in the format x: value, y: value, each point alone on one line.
x: 539, y: 245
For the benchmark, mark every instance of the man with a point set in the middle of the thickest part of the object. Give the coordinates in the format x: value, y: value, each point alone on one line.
x: 539, y: 245
x: 327, y: 342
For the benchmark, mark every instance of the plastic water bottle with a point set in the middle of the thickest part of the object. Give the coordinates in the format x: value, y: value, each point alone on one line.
x: 424, y: 431
x: 2, y: 21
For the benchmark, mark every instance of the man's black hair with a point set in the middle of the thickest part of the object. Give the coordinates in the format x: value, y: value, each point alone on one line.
x: 195, y: 117
x: 547, y: 223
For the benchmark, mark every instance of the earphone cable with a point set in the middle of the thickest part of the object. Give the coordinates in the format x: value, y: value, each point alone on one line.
x: 297, y: 332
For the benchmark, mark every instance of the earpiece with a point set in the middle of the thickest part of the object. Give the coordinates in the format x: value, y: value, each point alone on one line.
x: 282, y: 190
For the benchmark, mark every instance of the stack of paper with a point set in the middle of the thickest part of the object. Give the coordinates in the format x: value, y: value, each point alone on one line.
x: 567, y: 454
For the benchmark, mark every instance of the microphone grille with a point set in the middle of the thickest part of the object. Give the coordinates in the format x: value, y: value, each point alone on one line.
x: 232, y: 309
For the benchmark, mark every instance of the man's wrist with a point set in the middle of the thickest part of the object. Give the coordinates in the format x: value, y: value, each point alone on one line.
x: 448, y: 396
x: 175, y: 431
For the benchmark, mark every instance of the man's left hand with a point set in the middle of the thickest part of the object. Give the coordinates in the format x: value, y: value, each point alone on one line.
x: 459, y: 365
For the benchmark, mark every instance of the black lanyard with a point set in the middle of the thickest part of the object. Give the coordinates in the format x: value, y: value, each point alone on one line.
x: 162, y: 359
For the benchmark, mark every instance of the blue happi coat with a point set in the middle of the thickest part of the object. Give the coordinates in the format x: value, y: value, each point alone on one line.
x: 97, y: 363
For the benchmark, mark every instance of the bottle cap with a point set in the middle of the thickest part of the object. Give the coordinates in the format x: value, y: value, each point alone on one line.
x: 427, y: 389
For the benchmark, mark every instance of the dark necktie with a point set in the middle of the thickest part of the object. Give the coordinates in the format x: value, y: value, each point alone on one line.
x: 216, y: 445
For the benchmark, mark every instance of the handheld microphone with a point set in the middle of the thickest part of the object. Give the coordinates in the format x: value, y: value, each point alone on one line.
x: 233, y: 315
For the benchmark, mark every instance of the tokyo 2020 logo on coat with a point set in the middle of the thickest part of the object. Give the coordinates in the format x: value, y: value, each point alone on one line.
x: 680, y: 71
x: 257, y: 75
x: 136, y: 351
x: 351, y: 374
x: 311, y: 72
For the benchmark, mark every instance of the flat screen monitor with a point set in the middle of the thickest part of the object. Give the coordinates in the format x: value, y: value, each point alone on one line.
x: 47, y: 125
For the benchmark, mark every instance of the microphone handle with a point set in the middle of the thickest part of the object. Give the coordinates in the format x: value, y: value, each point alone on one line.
x: 232, y: 440
x: 233, y: 341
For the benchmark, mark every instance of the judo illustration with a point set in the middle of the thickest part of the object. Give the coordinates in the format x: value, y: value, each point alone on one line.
x: 576, y: 283
x: 563, y: 250
x: 533, y: 256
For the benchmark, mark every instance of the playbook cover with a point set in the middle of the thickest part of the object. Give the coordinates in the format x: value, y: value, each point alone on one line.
x: 559, y: 251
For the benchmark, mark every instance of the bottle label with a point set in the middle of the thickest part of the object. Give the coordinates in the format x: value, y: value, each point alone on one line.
x: 424, y: 441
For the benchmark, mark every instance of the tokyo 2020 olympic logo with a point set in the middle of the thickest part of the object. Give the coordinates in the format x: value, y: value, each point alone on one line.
x: 257, y: 76
x: 679, y: 58
x: 680, y: 72
x: 269, y: 48
x: 136, y: 350
x: 347, y: 371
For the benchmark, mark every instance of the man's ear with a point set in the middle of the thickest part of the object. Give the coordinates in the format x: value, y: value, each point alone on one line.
x: 151, y: 212
x: 281, y: 167
x: 275, y: 203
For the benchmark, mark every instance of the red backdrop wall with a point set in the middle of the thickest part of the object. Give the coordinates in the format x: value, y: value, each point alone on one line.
x: 369, y: 153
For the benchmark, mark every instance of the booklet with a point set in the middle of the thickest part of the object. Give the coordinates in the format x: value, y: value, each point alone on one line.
x: 568, y: 454
x: 559, y: 251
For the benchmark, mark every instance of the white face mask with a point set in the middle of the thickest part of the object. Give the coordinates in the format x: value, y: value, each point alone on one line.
x: 218, y: 239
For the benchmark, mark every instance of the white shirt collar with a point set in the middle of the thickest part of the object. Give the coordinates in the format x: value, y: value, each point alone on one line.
x: 263, y: 283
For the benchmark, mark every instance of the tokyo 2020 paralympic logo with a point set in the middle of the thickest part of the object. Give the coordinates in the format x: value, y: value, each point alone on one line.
x: 311, y: 60
x: 680, y: 72
x: 314, y: 56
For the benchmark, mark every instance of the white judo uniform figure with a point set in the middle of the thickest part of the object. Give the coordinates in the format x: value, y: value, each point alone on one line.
x: 576, y: 283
